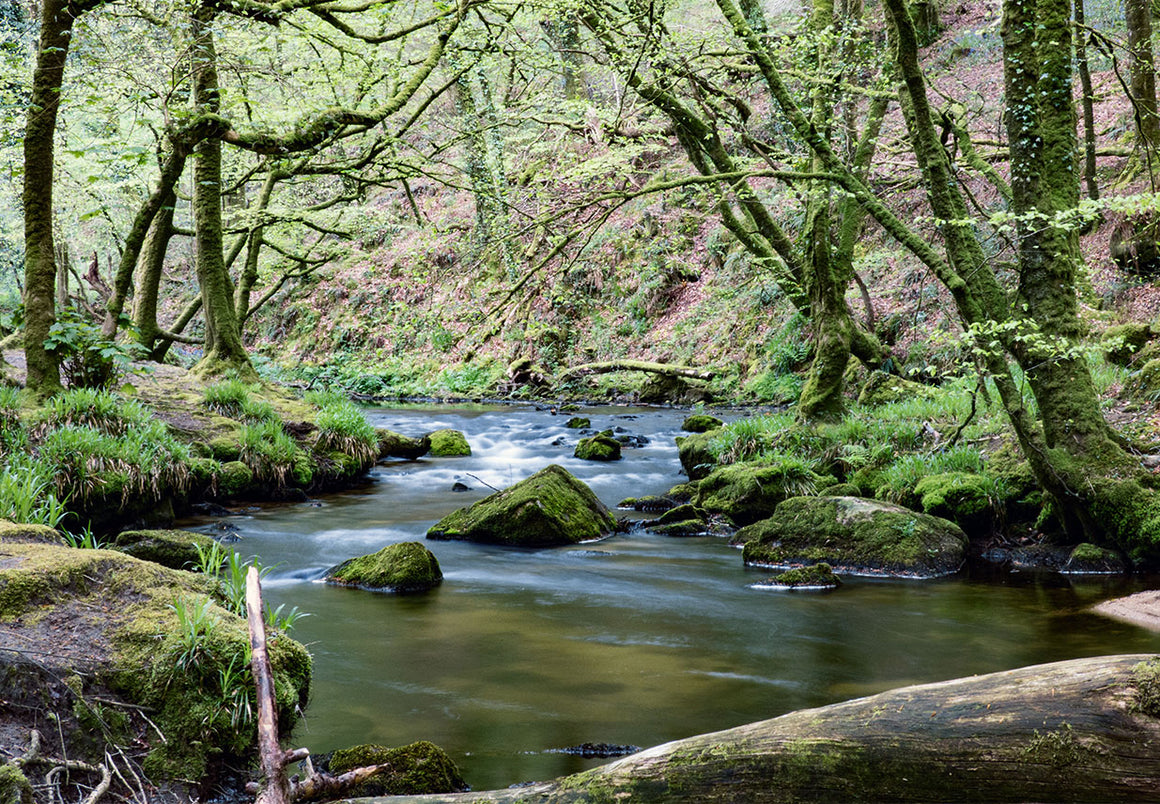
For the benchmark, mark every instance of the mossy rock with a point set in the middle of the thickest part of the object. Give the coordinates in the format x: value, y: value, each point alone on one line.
x: 684, y: 520
x: 962, y: 497
x: 813, y: 576
x: 662, y: 389
x: 1123, y: 343
x: 225, y: 448
x: 549, y: 508
x: 14, y: 786
x: 853, y: 534
x: 1091, y: 559
x: 141, y: 655
x: 696, y: 458
x: 234, y: 477
x: 448, y: 444
x: 21, y: 532
x: 578, y: 423
x: 598, y: 448
x: 169, y: 548
x: 397, y: 445
x: 748, y: 492
x: 417, y: 769
x: 843, y: 490
x: 406, y: 567
x: 882, y: 388
x: 1147, y: 379
x: 650, y: 503
x: 701, y: 423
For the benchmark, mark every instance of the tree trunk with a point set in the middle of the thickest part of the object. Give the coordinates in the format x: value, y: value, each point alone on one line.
x: 1081, y: 730
x: 56, y: 22
x: 639, y: 365
x: 223, y: 339
x: 152, y: 266
x: 1142, y: 81
x: 1087, y: 99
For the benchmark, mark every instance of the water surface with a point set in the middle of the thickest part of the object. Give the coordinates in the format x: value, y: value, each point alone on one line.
x: 638, y: 639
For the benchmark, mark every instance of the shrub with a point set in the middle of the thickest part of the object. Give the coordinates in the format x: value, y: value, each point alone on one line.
x: 87, y: 358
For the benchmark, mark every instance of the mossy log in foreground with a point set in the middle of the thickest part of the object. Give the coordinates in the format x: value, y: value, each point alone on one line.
x: 1081, y: 730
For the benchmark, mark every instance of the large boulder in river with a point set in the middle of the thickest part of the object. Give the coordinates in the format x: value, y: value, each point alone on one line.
x: 448, y: 443
x: 397, y: 445
x: 748, y: 492
x: 549, y: 508
x: 600, y: 447
x: 404, y: 567
x: 855, y: 535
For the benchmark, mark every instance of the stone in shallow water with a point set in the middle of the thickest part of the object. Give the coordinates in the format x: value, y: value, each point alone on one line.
x: 406, y: 567
x: 814, y: 576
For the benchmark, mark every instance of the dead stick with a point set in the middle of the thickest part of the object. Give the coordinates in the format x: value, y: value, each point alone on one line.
x: 275, y: 790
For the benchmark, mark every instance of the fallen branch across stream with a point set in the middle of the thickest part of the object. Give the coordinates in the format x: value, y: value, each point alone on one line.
x: 1081, y: 730
x: 689, y: 372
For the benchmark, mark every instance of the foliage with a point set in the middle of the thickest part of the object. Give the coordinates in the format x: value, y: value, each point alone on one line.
x: 342, y: 427
x: 272, y: 455
x: 87, y: 358
x: 27, y: 493
x: 234, y: 398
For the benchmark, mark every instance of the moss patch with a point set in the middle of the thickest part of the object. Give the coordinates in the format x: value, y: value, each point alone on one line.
x: 701, y: 423
x: 416, y: 769
x: 855, y: 535
x: 551, y: 507
x: 814, y: 576
x: 1146, y: 683
x: 404, y: 567
x: 578, y: 423
x: 747, y: 493
x: 695, y: 453
x: 14, y: 786
x: 448, y: 444
x: 169, y: 548
x: 599, y: 447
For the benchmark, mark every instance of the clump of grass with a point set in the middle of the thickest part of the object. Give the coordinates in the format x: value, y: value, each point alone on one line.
x: 342, y: 427
x: 95, y: 408
x: 234, y: 398
x: 230, y: 570
x: 27, y: 496
x: 13, y: 437
x: 898, y: 480
x: 270, y: 453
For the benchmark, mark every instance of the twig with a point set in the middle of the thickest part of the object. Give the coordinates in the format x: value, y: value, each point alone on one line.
x: 481, y: 480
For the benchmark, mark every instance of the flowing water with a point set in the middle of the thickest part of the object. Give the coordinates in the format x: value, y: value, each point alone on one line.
x: 638, y: 639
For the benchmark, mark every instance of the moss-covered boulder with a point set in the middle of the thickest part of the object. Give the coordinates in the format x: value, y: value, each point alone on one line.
x: 397, y: 445
x: 169, y: 548
x: 1124, y: 342
x: 413, y: 770
x: 404, y: 568
x: 20, y: 532
x: 234, y: 478
x: 697, y: 459
x: 684, y: 520
x: 599, y: 447
x: 812, y: 576
x: 1091, y: 559
x: 701, y: 423
x: 144, y: 639
x: 651, y: 503
x: 855, y: 535
x: 14, y: 786
x: 881, y: 388
x: 748, y: 492
x: 549, y: 508
x: 966, y: 498
x: 448, y: 444
x: 578, y: 423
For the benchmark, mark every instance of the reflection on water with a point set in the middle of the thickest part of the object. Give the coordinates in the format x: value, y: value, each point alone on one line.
x: 637, y: 640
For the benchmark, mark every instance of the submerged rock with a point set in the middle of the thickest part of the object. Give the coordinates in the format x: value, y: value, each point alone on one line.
x: 814, y: 576
x: 413, y: 770
x: 853, y: 534
x: 448, y: 443
x: 549, y: 508
x: 406, y: 567
x: 701, y: 423
x: 599, y: 447
x: 169, y: 548
x: 397, y: 445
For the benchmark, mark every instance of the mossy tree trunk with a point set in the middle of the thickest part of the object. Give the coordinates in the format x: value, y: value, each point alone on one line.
x: 1087, y: 100
x: 1142, y: 82
x: 1082, y: 730
x: 224, y: 349
x: 57, y: 18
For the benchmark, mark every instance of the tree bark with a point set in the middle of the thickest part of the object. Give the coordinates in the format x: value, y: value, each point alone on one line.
x: 1142, y: 81
x: 276, y: 788
x: 1081, y: 730
x: 1087, y: 99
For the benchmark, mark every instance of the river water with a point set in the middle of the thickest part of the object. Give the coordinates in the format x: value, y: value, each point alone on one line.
x: 638, y: 639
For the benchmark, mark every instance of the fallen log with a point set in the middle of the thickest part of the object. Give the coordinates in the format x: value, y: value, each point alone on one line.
x: 1080, y: 730
x: 689, y: 372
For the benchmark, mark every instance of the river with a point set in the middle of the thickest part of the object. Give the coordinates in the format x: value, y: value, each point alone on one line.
x: 638, y: 639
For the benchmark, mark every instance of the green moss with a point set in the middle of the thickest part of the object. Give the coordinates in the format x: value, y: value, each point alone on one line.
x: 1058, y: 748
x: 1123, y: 342
x: 843, y: 490
x: 578, y: 423
x: 701, y: 423
x: 234, y: 478
x: 814, y: 575
x: 169, y: 548
x: 448, y: 443
x: 417, y: 769
x: 1146, y: 684
x: 883, y: 389
x: 397, y: 445
x: 749, y: 492
x: 856, y: 535
x: 14, y: 786
x: 19, y: 532
x: 696, y: 455
x: 1089, y: 558
x: 970, y: 500
x: 598, y: 448
x: 551, y: 507
x: 403, y: 567
x: 225, y: 448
